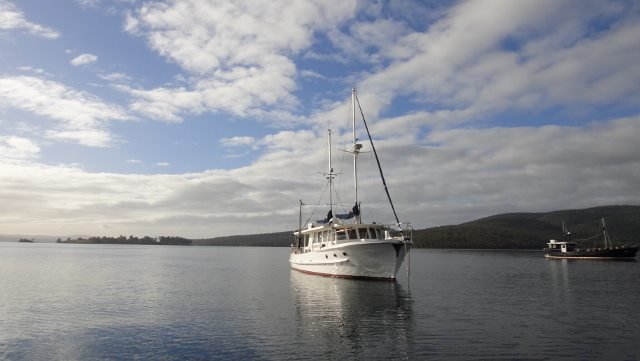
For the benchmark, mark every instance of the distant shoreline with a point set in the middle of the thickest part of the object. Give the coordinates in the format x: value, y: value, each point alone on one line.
x: 172, y: 241
x: 509, y: 231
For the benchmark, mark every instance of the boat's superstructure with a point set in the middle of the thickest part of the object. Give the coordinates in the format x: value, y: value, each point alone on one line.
x: 569, y: 249
x: 341, y: 245
x: 349, y: 250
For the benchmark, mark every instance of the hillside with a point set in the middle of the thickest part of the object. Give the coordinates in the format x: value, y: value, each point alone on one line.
x: 502, y: 231
x: 533, y: 230
x: 280, y: 239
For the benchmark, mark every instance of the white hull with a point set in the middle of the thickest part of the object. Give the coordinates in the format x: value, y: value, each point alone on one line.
x: 358, y: 259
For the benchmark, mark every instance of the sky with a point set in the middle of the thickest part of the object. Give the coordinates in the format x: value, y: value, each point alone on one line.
x: 204, y: 118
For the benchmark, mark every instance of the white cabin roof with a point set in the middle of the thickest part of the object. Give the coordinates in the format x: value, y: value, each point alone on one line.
x: 553, y: 241
x: 312, y: 227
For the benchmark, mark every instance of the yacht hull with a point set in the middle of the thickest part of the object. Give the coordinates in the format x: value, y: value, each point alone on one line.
x: 621, y: 252
x: 369, y: 260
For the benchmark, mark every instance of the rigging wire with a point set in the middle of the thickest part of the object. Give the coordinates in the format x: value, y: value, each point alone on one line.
x: 384, y: 183
x: 336, y: 186
x: 317, y: 204
x: 586, y: 239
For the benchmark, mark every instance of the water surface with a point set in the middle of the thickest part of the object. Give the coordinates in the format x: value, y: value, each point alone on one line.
x: 105, y: 302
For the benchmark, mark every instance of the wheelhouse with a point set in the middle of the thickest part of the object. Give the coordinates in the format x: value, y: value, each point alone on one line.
x: 562, y: 247
x: 317, y: 237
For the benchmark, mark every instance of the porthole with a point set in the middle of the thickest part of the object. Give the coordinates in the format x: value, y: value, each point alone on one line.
x: 344, y: 253
x: 325, y: 256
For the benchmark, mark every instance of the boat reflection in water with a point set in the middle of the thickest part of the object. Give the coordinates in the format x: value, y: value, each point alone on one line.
x: 344, y: 318
x: 559, y: 272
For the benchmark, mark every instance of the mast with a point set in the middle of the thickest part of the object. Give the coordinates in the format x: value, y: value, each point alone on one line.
x: 330, y: 176
x: 606, y: 235
x: 300, y: 246
x: 355, y: 150
x: 565, y: 232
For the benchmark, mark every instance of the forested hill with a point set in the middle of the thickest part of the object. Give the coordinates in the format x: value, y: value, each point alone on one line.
x: 280, y: 239
x: 533, y: 230
x: 503, y: 231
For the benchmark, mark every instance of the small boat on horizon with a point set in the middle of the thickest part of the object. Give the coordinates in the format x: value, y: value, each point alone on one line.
x: 341, y: 245
x: 567, y: 249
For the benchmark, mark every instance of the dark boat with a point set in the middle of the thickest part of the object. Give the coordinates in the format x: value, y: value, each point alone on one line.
x: 568, y: 249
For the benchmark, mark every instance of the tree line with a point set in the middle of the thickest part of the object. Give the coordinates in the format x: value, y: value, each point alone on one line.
x: 146, y: 240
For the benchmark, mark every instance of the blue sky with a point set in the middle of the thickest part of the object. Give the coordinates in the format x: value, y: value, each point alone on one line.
x: 205, y: 118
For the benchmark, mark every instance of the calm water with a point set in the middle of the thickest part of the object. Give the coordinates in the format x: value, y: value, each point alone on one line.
x: 90, y: 302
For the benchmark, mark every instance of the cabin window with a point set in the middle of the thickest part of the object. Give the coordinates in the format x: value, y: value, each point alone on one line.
x: 341, y: 235
x: 353, y: 233
x: 306, y: 239
x: 372, y: 233
x: 379, y: 234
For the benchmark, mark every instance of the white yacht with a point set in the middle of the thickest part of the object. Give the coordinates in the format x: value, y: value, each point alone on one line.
x: 341, y: 245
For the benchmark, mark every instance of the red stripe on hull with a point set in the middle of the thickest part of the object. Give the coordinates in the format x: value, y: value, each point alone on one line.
x: 345, y: 276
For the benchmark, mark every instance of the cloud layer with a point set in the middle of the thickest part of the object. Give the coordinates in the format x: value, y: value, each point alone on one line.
x: 478, y: 107
x: 471, y: 173
x: 486, y: 57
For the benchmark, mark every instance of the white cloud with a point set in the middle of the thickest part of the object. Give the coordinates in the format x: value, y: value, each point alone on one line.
x: 88, y: 3
x: 311, y: 74
x: 11, y: 18
x: 84, y: 59
x: 81, y: 117
x: 18, y: 148
x: 133, y: 161
x: 31, y: 69
x: 468, y: 61
x: 116, y: 77
x: 370, y: 41
x: 557, y: 57
x: 487, y: 171
x: 163, y: 164
x: 87, y: 137
x: 238, y: 51
x: 238, y: 141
